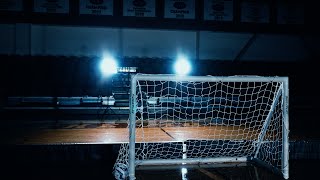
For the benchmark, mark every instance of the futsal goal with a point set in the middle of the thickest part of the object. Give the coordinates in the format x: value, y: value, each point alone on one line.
x: 178, y: 120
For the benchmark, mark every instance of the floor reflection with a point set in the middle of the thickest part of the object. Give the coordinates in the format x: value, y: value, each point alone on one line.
x: 243, y: 171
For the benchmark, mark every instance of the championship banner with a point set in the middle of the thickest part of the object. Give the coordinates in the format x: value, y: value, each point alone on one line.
x: 50, y: 6
x: 96, y: 7
x: 218, y: 10
x: 180, y: 9
x: 290, y: 12
x: 11, y: 5
x: 139, y: 8
x: 255, y: 12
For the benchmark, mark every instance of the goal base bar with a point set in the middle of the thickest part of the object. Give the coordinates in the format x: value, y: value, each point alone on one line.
x: 190, y: 161
x: 192, y: 166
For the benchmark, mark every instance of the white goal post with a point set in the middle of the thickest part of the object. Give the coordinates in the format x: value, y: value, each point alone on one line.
x: 206, y: 119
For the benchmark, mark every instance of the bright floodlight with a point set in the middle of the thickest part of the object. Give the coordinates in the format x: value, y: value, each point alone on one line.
x: 182, y: 66
x: 108, y: 66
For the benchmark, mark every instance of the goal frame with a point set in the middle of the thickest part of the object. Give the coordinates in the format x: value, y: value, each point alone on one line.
x: 170, y: 77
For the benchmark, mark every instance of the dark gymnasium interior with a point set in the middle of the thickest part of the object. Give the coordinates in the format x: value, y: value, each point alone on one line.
x: 51, y: 75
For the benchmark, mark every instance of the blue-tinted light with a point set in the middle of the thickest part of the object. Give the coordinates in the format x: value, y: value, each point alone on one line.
x: 182, y: 66
x: 108, y: 66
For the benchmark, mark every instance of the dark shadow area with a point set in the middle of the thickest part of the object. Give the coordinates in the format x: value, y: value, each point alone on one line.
x: 58, y: 162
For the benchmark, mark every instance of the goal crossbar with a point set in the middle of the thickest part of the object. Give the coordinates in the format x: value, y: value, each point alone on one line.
x: 169, y: 77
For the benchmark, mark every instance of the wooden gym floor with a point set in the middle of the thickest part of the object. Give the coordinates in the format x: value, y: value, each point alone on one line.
x: 113, y: 133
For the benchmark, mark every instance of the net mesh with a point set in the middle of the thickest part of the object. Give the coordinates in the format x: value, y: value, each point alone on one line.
x: 186, y: 119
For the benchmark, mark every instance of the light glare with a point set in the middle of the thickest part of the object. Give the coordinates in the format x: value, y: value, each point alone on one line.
x: 182, y: 66
x: 108, y: 66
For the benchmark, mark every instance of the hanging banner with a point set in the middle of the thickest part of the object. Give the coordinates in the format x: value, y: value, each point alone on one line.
x: 180, y: 9
x: 51, y: 6
x: 255, y: 12
x: 290, y: 12
x: 96, y: 7
x: 218, y: 10
x: 11, y: 5
x: 139, y: 8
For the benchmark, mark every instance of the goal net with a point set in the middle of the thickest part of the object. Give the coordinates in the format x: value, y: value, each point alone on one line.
x: 206, y: 119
